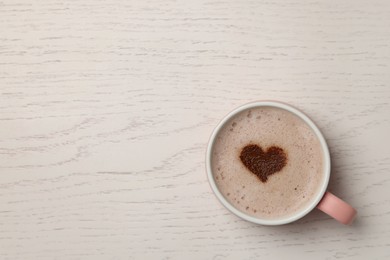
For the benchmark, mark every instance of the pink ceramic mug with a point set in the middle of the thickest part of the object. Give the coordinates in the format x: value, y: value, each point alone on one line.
x: 325, y: 201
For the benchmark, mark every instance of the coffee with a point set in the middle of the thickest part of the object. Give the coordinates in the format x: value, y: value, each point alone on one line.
x: 268, y: 163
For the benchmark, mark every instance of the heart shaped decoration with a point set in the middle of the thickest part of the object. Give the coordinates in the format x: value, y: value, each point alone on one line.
x: 263, y: 164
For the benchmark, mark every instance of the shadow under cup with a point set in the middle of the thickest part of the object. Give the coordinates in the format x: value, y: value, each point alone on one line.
x: 253, y: 181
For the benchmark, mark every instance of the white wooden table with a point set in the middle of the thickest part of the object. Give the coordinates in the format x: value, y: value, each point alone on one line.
x: 107, y: 106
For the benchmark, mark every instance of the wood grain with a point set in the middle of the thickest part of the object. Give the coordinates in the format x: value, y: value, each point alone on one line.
x: 106, y: 108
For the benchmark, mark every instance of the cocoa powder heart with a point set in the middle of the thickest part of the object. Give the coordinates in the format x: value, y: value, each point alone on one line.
x: 263, y: 164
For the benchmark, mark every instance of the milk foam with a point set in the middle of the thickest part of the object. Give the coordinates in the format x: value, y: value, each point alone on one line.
x: 286, y: 192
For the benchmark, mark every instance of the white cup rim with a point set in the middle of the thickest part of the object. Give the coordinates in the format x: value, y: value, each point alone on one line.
x: 326, y: 158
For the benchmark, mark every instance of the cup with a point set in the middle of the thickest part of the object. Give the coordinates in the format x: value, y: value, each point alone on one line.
x: 324, y: 200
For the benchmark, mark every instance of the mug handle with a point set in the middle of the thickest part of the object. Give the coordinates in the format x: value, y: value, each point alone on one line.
x: 337, y: 208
